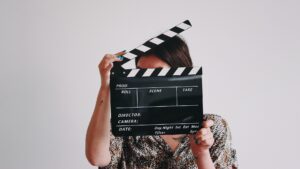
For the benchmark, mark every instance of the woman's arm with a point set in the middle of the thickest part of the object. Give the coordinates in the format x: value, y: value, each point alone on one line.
x: 98, y: 136
x: 204, y: 160
x: 200, y: 144
x: 98, y: 132
x: 215, y: 136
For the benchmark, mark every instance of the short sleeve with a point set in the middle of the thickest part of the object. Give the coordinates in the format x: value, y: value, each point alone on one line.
x: 116, y: 151
x: 222, y: 151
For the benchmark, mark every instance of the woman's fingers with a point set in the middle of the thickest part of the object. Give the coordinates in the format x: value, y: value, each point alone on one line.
x: 207, y: 123
x: 204, y: 137
x: 121, y: 53
x: 203, y: 131
x: 106, y: 65
x: 107, y: 60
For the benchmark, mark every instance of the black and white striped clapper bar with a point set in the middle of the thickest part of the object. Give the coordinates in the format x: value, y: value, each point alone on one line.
x: 155, y: 101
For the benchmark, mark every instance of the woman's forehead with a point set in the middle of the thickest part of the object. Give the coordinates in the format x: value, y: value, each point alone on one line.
x: 151, y: 61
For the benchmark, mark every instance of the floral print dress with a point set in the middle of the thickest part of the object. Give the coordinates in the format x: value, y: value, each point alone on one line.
x: 152, y: 152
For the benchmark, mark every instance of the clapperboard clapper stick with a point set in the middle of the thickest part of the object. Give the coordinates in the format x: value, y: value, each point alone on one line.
x: 155, y: 101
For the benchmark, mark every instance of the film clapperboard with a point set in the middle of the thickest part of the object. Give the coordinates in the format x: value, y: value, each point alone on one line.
x: 155, y: 101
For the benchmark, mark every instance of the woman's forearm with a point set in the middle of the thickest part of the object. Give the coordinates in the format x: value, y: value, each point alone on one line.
x: 204, y: 160
x: 98, y: 133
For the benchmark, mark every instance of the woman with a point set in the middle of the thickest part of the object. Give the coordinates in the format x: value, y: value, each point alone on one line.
x: 209, y: 148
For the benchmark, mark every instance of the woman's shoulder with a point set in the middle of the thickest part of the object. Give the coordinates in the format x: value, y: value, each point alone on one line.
x: 220, y: 126
x: 214, y: 117
x: 222, y: 151
x: 217, y: 119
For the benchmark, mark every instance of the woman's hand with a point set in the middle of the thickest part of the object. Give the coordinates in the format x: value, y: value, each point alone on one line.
x: 105, y: 66
x: 202, y: 140
x: 98, y: 132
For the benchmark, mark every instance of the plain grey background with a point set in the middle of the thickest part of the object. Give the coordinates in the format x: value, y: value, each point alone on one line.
x: 50, y: 52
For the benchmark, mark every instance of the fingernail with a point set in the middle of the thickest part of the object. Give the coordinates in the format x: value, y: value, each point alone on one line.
x: 124, y: 51
x: 120, y: 57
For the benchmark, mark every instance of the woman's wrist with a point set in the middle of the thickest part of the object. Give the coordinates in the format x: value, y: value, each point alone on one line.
x: 204, y: 160
x: 202, y: 154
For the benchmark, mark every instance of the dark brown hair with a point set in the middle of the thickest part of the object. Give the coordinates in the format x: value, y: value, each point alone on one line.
x: 174, y: 52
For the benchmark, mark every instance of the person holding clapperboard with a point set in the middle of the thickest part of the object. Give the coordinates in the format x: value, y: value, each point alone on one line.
x: 209, y: 148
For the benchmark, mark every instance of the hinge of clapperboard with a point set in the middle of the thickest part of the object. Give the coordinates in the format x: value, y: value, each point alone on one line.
x: 128, y: 65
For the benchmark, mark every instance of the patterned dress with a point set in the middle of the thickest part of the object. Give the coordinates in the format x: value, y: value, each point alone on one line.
x: 152, y: 152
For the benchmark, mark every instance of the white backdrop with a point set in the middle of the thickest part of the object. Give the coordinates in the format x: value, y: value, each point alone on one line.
x: 50, y: 51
